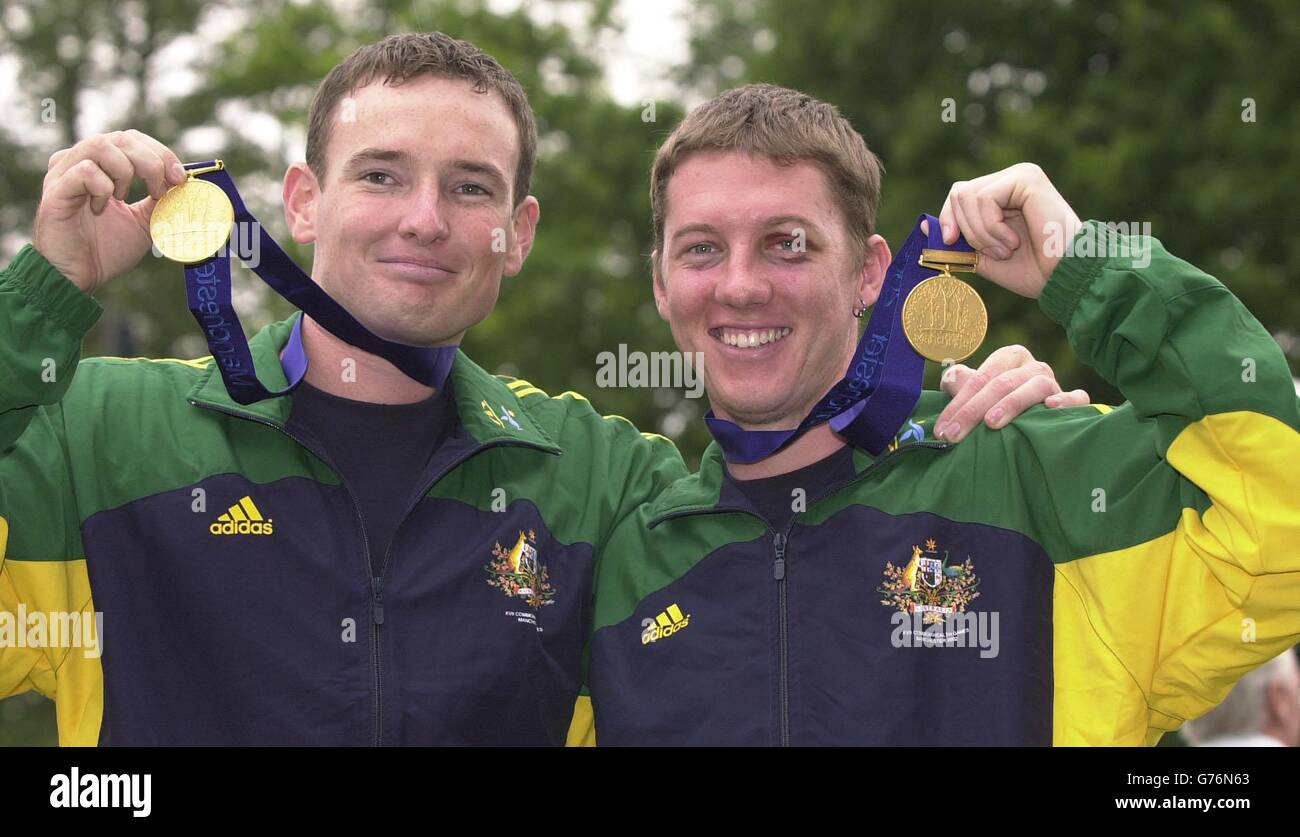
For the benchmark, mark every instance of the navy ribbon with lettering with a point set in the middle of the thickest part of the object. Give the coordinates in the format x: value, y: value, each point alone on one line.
x: 207, y: 285
x: 883, y: 382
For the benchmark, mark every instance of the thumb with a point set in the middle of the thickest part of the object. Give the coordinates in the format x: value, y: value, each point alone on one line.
x: 142, y: 210
x: 954, y: 378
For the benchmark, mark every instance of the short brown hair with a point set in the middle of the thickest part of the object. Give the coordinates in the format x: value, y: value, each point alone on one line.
x: 398, y: 58
x: 786, y: 126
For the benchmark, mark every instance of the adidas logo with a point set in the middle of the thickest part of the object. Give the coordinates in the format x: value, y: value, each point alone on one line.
x: 664, y: 625
x: 243, y: 518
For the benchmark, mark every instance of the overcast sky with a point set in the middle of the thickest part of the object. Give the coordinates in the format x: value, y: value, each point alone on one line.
x: 636, y: 64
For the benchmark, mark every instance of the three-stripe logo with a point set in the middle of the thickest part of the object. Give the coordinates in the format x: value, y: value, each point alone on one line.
x: 667, y: 623
x: 243, y: 518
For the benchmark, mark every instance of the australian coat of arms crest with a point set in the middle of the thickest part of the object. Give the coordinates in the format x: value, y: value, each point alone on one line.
x: 518, y: 572
x: 930, y: 585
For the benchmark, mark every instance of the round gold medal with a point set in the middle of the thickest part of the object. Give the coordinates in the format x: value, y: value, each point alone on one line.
x: 191, y: 221
x: 944, y: 319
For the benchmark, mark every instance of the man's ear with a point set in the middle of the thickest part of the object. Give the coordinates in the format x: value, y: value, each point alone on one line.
x: 657, y: 282
x: 300, y: 192
x: 874, y: 267
x: 524, y: 222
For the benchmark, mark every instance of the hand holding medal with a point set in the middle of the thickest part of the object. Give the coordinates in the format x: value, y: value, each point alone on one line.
x: 943, y: 317
x: 194, y: 219
x: 1017, y: 221
x: 84, y: 227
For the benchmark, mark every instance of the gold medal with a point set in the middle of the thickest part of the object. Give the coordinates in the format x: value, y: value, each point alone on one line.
x: 943, y: 317
x: 193, y: 219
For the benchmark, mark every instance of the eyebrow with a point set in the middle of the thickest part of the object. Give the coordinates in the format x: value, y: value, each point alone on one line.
x: 392, y: 155
x: 381, y: 155
x: 797, y: 220
x: 487, y: 170
x: 774, y: 221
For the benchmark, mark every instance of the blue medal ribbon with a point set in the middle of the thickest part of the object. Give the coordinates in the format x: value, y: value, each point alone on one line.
x: 883, y: 382
x: 207, y: 286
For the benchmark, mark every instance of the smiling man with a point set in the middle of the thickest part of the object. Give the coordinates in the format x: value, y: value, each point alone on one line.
x: 369, y: 560
x: 411, y: 201
x: 1084, y: 576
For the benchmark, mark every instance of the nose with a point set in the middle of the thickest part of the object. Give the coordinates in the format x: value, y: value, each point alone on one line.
x: 742, y: 284
x: 422, y: 218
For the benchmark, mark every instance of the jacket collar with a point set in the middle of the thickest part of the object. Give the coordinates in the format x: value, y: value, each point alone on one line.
x: 708, y: 490
x: 488, y: 409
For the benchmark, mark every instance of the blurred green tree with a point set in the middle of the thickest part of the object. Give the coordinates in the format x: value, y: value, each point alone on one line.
x: 1180, y: 116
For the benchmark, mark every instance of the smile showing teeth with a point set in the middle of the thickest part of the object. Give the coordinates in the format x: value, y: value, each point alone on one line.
x: 749, y: 339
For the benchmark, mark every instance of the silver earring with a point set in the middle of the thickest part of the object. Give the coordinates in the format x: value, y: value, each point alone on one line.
x: 860, y: 309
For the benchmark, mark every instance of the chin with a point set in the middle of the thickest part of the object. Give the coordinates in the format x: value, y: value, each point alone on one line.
x: 758, y: 413
x: 400, y: 327
x: 421, y: 335
x: 413, y: 315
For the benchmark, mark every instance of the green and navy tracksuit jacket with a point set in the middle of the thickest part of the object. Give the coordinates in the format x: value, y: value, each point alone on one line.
x: 1133, y: 563
x: 231, y: 570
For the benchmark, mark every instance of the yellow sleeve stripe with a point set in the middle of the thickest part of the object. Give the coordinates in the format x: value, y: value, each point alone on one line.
x: 582, y: 729
x: 1166, y: 627
x: 70, y: 676
x: 197, y: 363
x: 520, y: 393
x: 518, y: 384
x: 1103, y: 408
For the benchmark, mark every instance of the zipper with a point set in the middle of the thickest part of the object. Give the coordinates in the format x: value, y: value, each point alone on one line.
x: 779, y: 542
x: 377, y: 585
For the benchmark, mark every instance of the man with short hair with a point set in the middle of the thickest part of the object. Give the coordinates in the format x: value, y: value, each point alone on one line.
x: 373, y: 559
x: 1083, y: 577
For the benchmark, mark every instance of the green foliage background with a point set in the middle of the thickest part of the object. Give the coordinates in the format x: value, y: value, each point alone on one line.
x: 1183, y: 116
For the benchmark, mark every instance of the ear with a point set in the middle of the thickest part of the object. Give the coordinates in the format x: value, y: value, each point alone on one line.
x: 300, y: 193
x: 874, y: 268
x: 1278, y: 701
x: 657, y: 282
x: 524, y: 222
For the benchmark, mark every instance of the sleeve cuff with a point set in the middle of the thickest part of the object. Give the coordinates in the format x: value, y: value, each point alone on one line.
x: 51, y: 291
x: 1084, y: 258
